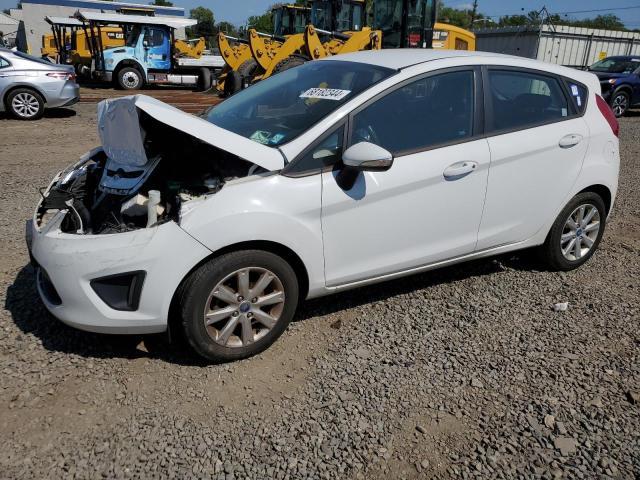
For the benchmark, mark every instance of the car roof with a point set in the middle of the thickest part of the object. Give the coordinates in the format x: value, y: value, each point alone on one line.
x: 399, y: 58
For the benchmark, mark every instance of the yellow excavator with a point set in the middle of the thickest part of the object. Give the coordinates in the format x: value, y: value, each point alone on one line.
x: 336, y: 27
x: 289, y: 20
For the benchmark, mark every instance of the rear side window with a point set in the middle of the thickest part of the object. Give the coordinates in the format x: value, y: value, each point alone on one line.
x: 3, y: 63
x: 523, y: 99
x: 579, y: 95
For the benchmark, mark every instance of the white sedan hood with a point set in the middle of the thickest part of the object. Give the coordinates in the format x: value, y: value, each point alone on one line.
x: 123, y: 139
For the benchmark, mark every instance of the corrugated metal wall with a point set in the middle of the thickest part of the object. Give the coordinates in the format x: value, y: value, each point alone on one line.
x: 562, y: 45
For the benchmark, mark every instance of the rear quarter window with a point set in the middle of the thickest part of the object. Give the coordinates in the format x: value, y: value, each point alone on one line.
x: 579, y: 94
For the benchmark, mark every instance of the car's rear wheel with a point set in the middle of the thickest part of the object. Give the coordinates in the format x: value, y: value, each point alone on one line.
x: 620, y: 102
x: 238, y: 304
x: 576, y: 233
x: 25, y: 104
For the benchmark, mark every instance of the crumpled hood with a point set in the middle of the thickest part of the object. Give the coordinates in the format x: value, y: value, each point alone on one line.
x: 123, y: 139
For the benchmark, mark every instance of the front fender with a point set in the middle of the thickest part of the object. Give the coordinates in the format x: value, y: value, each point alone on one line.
x: 271, y: 208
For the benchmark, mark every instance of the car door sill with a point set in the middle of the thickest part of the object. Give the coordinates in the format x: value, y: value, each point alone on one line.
x: 430, y: 266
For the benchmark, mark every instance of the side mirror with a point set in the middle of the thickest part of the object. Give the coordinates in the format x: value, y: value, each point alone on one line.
x: 365, y: 156
x: 145, y: 43
x: 362, y: 157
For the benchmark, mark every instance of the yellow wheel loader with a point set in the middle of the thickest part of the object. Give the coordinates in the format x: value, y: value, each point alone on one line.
x: 412, y: 24
x: 336, y: 27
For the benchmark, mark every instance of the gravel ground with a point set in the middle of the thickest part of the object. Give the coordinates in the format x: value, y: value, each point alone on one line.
x: 466, y: 372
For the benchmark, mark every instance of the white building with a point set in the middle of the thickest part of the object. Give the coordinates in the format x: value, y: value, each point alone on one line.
x: 33, y: 26
x: 9, y: 27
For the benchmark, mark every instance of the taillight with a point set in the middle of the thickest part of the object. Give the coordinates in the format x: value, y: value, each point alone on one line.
x: 62, y: 75
x: 608, y: 115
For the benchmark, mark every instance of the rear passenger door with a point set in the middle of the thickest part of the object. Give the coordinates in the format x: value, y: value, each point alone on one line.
x: 538, y: 140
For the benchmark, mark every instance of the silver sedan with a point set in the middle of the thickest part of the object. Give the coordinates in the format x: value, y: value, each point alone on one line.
x: 28, y: 85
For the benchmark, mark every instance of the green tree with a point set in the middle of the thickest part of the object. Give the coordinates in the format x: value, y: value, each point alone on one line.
x: 206, y: 23
x: 162, y: 3
x: 262, y: 23
x: 227, y: 28
x: 607, y: 22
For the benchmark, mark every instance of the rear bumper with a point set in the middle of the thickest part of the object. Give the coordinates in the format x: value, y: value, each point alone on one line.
x: 66, y: 96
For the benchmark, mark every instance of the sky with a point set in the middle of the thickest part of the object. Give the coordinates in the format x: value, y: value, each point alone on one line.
x: 237, y: 11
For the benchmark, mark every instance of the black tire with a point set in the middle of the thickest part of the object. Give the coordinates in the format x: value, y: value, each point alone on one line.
x: 198, y: 287
x: 130, y: 78
x: 551, y: 252
x: 247, y: 70
x: 619, y: 102
x: 232, y: 83
x: 290, y: 62
x: 25, y: 104
x: 205, y: 79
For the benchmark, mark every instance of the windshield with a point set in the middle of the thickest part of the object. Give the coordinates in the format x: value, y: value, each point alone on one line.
x: 349, y: 17
x: 133, y: 35
x: 616, y: 65
x: 279, y: 109
x: 321, y: 13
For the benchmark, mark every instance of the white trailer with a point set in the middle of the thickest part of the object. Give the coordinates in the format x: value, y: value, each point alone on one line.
x: 559, y: 44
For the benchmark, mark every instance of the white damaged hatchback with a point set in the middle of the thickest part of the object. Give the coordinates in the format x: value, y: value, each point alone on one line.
x: 329, y: 176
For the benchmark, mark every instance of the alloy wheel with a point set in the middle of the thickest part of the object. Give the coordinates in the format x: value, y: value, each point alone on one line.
x: 130, y: 80
x: 580, y: 232
x: 244, y: 307
x: 25, y: 105
x: 619, y: 105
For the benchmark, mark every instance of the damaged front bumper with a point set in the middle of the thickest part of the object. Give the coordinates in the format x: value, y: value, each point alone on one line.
x: 72, y: 271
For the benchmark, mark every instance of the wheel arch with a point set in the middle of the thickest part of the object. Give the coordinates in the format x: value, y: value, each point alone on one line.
x: 174, y: 321
x: 130, y: 63
x: 604, y: 193
x: 28, y: 86
x: 625, y: 87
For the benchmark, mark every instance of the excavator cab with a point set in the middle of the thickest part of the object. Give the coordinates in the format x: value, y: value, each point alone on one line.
x: 405, y: 23
x: 290, y: 19
x: 338, y: 15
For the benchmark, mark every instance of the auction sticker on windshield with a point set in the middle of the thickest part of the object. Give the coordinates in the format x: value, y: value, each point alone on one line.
x: 325, y: 93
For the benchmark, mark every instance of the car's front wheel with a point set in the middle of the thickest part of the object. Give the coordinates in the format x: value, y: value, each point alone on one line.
x: 620, y: 101
x: 25, y: 104
x: 576, y: 233
x: 238, y: 304
x: 130, y: 78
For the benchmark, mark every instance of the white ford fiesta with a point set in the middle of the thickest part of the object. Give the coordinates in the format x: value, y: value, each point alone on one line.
x: 325, y: 177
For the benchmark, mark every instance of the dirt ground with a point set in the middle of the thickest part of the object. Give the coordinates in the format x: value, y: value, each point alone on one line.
x: 461, y: 373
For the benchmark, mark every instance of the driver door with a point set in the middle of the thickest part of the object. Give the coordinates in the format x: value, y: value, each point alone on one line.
x: 157, y: 48
x: 427, y: 207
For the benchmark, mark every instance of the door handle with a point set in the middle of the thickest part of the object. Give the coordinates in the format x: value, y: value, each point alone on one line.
x: 459, y: 170
x: 570, y: 140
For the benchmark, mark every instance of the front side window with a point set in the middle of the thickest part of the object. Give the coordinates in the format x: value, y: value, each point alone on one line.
x: 326, y: 152
x: 282, y: 107
x: 521, y: 99
x: 132, y: 36
x: 432, y: 111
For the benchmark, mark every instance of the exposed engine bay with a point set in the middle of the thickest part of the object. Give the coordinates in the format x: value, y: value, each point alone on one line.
x: 102, y: 195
